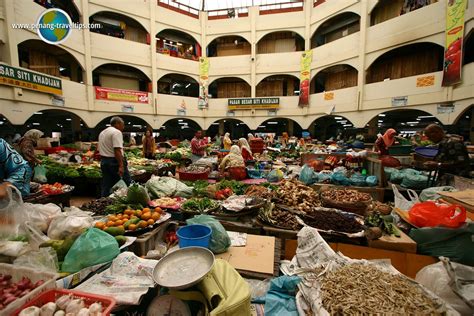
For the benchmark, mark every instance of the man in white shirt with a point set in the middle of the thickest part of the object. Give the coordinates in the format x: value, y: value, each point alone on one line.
x: 112, y: 161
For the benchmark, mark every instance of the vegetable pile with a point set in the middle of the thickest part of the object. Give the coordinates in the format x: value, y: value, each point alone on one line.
x: 383, y: 222
x: 52, y: 189
x: 259, y: 191
x: 297, y: 195
x: 346, y: 195
x: 364, y: 289
x: 195, y: 169
x: 98, y: 206
x: 199, y: 205
x: 10, y: 291
x: 64, y: 305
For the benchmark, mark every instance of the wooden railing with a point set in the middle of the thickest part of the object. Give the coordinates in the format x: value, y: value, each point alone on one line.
x: 179, y: 7
x: 282, y: 7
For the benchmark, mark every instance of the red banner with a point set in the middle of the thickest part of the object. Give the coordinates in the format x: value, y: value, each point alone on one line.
x: 121, y: 95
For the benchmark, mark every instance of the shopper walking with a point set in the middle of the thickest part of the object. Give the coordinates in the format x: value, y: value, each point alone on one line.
x: 113, y: 163
x: 198, y: 147
x: 149, y: 145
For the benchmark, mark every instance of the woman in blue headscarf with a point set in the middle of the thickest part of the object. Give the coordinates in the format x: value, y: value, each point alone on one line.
x: 14, y: 170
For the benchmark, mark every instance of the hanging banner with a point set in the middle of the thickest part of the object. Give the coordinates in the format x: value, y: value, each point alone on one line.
x: 454, y: 38
x: 305, y: 77
x: 203, y: 102
x: 21, y: 78
x: 121, y: 95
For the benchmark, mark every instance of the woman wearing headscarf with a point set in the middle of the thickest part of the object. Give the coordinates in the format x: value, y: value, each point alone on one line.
x: 149, y: 145
x: 250, y: 137
x: 384, y: 141
x: 26, y: 146
x: 284, y: 139
x: 233, y: 159
x: 227, y: 141
x: 245, y: 149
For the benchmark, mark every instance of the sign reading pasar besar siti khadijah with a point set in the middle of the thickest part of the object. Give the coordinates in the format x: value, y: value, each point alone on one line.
x: 253, y: 103
x: 21, y: 78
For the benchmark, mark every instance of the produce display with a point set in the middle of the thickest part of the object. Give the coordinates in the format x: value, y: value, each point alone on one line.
x: 195, y: 169
x: 384, y: 222
x: 199, y: 205
x: 259, y: 191
x: 98, y: 206
x: 298, y: 196
x: 334, y: 220
x: 358, y: 289
x: 346, y: 200
x: 167, y: 202
x: 275, y: 216
x: 236, y: 186
x: 64, y: 305
x: 54, y: 189
x: 10, y: 291
x: 130, y: 220
x: 238, y: 203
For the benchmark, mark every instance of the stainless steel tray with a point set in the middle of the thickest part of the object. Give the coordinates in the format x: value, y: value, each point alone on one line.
x: 183, y: 268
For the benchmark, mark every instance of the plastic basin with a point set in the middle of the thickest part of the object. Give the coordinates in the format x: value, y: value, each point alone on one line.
x: 194, y: 236
x: 427, y: 152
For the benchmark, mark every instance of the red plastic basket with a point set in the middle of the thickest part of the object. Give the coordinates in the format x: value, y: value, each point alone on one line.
x: 52, y: 295
x: 192, y: 176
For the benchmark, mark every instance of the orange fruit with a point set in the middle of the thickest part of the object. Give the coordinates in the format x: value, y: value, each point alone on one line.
x: 99, y: 225
x: 138, y: 213
x: 156, y: 216
x: 132, y: 227
x: 119, y: 216
x: 157, y: 209
x: 142, y: 224
x: 112, y: 218
x: 109, y: 224
x: 118, y: 223
x: 146, y: 216
x: 151, y: 222
x: 129, y: 212
x: 121, y: 227
x: 133, y: 216
x: 126, y: 217
x: 146, y: 210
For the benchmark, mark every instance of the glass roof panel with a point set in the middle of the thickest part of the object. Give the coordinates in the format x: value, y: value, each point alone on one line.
x: 210, y: 5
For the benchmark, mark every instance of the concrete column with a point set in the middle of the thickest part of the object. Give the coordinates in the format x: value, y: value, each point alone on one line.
x: 88, y: 59
x: 221, y: 127
x: 362, y: 43
x: 471, y: 131
x: 203, y: 20
x: 308, y: 6
x: 11, y: 50
x: 372, y: 130
x: 253, y: 14
x: 76, y: 128
x: 154, y: 66
x: 291, y: 128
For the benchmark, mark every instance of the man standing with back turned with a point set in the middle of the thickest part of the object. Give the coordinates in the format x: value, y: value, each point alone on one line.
x: 113, y: 163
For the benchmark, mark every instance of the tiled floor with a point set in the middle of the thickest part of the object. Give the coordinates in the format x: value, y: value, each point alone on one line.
x: 79, y: 200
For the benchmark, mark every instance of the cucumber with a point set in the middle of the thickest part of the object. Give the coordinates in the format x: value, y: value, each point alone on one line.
x: 121, y: 239
x: 131, y: 221
x: 115, y: 231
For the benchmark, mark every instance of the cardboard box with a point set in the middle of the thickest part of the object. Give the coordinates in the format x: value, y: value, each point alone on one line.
x: 403, y: 243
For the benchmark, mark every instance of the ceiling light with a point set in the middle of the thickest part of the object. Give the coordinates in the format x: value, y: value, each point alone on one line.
x: 415, y: 122
x: 68, y: 119
x: 107, y: 124
x: 338, y: 118
x: 380, y: 121
x: 215, y: 124
x: 347, y: 125
x: 261, y: 126
x: 426, y: 116
x: 180, y: 120
x: 137, y: 126
x: 272, y: 123
x: 62, y: 68
x: 38, y: 113
x: 187, y: 86
x: 382, y: 115
x: 179, y: 44
x: 1, y: 123
x: 36, y: 124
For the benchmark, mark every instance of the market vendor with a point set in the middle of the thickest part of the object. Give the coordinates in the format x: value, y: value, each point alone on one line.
x: 284, y: 139
x: 112, y: 163
x: 452, y: 154
x: 26, y: 146
x: 198, y: 146
x: 250, y: 137
x: 245, y: 149
x: 14, y: 170
x: 384, y: 141
x: 227, y: 141
x: 233, y: 159
x: 149, y: 145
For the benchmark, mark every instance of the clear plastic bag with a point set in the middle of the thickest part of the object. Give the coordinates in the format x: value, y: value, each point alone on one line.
x: 401, y: 202
x: 65, y: 225
x: 220, y: 240
x: 45, y: 259
x: 41, y: 215
x: 12, y: 214
x: 40, y: 174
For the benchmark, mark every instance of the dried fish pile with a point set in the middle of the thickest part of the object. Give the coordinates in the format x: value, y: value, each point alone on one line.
x: 275, y: 216
x: 358, y: 289
x: 298, y: 196
x: 346, y: 195
x: 330, y: 219
x: 98, y: 206
x: 259, y: 191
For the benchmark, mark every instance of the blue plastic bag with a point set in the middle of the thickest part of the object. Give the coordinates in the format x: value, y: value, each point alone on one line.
x: 275, y: 176
x: 307, y: 175
x: 280, y: 299
x: 371, y: 181
x: 358, y: 180
x: 340, y: 179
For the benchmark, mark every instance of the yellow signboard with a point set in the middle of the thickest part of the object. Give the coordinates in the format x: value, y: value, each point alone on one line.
x: 21, y: 78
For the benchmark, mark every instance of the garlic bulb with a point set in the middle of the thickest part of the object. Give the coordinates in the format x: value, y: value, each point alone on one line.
x: 63, y: 301
x: 48, y: 309
x: 74, y: 306
x: 95, y: 308
x: 59, y: 313
x: 83, y: 312
x: 30, y: 311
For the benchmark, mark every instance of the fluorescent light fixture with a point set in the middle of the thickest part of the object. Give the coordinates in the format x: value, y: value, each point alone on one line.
x: 347, y: 125
x: 382, y: 115
x: 1, y: 123
x: 380, y: 121
x: 137, y: 126
x: 179, y: 44
x: 215, y: 124
x: 415, y: 122
x: 107, y: 124
x: 418, y: 119
x: 426, y: 116
x: 343, y: 122
x: 180, y: 120
x: 338, y: 118
x: 38, y: 113
x: 261, y: 126
x: 187, y: 86
x: 68, y: 119
x: 62, y: 68
x: 82, y: 124
x: 272, y: 123
x: 36, y: 124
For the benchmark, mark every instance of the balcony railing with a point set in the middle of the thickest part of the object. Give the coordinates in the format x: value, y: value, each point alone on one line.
x: 282, y: 7
x: 228, y: 13
x: 179, y: 7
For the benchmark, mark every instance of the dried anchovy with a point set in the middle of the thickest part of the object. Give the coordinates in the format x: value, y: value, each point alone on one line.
x: 358, y: 289
x: 297, y: 195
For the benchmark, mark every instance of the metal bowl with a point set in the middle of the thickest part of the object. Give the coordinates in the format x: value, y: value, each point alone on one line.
x: 183, y: 268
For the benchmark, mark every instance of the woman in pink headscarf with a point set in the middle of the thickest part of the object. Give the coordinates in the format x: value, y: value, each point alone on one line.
x: 385, y: 141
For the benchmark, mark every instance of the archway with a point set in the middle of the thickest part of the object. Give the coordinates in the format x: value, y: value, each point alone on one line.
x: 49, y: 59
x: 278, y: 86
x: 65, y: 125
x: 464, y: 124
x: 134, y: 127
x: 68, y: 6
x: 178, y: 128
x: 177, y: 84
x: 389, y: 9
x: 231, y: 45
x: 177, y: 44
x: 332, y: 126
x: 406, y: 122
x: 236, y: 128
x: 279, y: 125
x: 339, y: 26
x: 120, y: 26
x: 405, y: 61
x: 229, y: 87
x: 334, y: 78
x: 121, y: 77
x: 280, y: 42
x: 468, y: 47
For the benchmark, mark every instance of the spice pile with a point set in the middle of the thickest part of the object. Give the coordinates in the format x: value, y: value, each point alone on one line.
x: 274, y: 215
x: 259, y: 191
x: 357, y: 289
x: 346, y: 196
x: 297, y: 195
x: 330, y: 219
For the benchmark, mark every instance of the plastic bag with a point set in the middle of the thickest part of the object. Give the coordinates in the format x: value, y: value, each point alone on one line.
x: 66, y: 225
x: 388, y: 172
x: 13, y: 248
x: 45, y: 259
x: 453, y: 243
x: 40, y: 174
x: 339, y: 179
x: 159, y: 187
x: 396, y: 176
x: 41, y: 215
x: 452, y: 282
x: 275, y: 176
x: 119, y: 185
x: 307, y: 175
x: 431, y: 194
x: 138, y: 194
x: 324, y: 177
x: 371, y: 181
x: 280, y: 299
x: 92, y: 247
x: 358, y: 179
x: 430, y: 214
x: 401, y: 202
x: 220, y: 240
x: 258, y: 289
x: 12, y: 213
x: 414, y: 181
